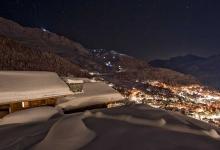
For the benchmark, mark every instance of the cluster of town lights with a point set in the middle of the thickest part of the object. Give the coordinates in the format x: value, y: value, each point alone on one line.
x: 193, y: 100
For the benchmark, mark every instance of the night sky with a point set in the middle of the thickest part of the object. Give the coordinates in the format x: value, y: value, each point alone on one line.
x: 147, y: 29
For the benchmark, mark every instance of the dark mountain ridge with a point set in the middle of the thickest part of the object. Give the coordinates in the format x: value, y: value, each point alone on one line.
x: 206, y: 69
x: 43, y: 40
x: 15, y: 56
x: 110, y: 64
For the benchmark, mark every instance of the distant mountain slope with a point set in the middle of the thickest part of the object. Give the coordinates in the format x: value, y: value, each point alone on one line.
x: 123, y: 68
x: 15, y: 56
x: 46, y: 41
x: 110, y: 64
x: 205, y: 69
x: 112, y: 61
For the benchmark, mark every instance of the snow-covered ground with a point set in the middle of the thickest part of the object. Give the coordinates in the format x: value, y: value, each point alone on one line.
x: 128, y: 127
x: 58, y: 138
x: 37, y: 114
x: 22, y: 85
x: 94, y: 93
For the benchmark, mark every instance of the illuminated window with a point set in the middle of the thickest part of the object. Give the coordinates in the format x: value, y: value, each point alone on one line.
x: 25, y: 104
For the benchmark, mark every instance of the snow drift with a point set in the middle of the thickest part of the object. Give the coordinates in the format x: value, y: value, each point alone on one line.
x: 127, y: 127
x: 37, y: 114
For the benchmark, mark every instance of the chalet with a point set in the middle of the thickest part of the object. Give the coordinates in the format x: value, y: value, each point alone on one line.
x: 22, y: 90
x: 95, y: 94
x: 75, y: 84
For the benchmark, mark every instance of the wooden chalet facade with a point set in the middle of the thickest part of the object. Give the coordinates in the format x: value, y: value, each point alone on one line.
x: 22, y: 90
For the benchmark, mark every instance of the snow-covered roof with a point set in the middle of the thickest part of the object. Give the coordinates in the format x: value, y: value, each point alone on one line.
x: 74, y: 81
x: 94, y: 94
x: 29, y: 85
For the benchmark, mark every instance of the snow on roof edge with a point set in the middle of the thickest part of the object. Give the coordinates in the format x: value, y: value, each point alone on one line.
x: 31, y: 85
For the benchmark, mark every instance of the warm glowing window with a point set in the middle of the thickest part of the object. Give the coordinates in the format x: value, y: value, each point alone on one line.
x: 25, y: 104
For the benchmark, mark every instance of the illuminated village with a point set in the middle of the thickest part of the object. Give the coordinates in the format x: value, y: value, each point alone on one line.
x: 195, y: 101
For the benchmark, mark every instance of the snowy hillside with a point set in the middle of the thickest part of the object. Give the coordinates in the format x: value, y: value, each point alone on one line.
x: 127, y: 127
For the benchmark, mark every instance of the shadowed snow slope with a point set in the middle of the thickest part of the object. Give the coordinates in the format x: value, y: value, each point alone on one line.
x: 57, y: 138
x: 30, y: 115
x: 22, y: 85
x: 127, y: 127
x: 94, y: 93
